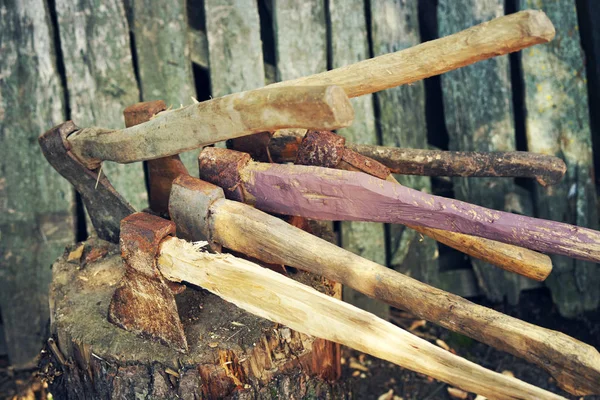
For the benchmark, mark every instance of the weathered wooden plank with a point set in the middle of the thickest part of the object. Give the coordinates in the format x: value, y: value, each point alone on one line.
x: 94, y: 38
x: 479, y: 117
x: 234, y: 47
x: 300, y: 38
x: 557, y: 123
x: 349, y: 44
x: 37, y: 204
x: 401, y: 122
x: 160, y: 30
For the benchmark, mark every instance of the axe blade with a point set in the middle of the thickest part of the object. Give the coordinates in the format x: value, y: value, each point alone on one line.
x: 104, y: 204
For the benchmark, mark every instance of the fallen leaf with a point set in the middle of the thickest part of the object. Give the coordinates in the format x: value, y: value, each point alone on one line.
x: 213, y: 344
x: 76, y: 254
x: 389, y: 395
x: 172, y: 372
x: 417, y: 324
x: 356, y: 373
x: 355, y: 365
x: 95, y: 254
x: 457, y: 393
x: 442, y: 344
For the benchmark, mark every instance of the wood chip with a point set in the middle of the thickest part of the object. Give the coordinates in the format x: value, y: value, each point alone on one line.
x: 442, y: 344
x: 355, y: 365
x: 508, y: 373
x: 387, y: 396
x: 356, y: 373
x: 457, y: 393
x: 480, y: 397
x: 172, y: 372
x: 76, y: 254
x: 212, y: 345
x: 417, y: 324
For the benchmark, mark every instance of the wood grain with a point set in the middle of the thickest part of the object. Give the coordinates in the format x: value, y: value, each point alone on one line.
x: 349, y: 45
x: 575, y: 365
x: 401, y: 123
x: 271, y: 295
x: 479, y: 117
x: 37, y: 218
x: 493, y: 38
x: 162, y: 48
x: 215, y: 120
x: 329, y: 194
x: 94, y: 39
x: 557, y: 123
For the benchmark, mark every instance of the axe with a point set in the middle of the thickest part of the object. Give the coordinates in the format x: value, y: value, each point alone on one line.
x: 308, y: 102
x: 201, y: 212
x: 283, y: 146
x: 337, y: 195
x: 327, y: 149
x: 282, y: 300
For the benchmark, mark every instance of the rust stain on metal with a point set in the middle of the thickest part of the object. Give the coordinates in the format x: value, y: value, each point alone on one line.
x: 143, y: 303
x: 357, y: 162
x: 222, y: 167
x: 162, y: 171
x: 256, y: 145
x: 321, y: 148
x: 143, y: 112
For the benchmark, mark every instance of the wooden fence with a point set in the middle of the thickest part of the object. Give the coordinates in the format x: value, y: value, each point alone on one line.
x: 87, y: 60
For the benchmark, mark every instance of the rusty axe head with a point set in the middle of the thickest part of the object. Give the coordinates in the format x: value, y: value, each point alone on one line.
x: 105, y: 206
x: 143, y: 303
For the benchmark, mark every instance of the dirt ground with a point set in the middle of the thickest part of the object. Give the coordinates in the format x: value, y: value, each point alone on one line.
x: 371, y: 378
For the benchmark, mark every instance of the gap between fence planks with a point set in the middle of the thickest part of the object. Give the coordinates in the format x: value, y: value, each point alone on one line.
x: 101, y: 82
x: 557, y: 123
x: 401, y: 123
x: 280, y: 299
x: 479, y: 117
x: 515, y: 31
x: 349, y: 45
x: 37, y: 204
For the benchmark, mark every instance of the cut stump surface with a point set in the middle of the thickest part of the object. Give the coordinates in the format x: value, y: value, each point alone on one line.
x: 232, y: 354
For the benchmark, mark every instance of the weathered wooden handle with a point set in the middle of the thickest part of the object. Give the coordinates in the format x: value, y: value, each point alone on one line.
x: 197, y: 125
x: 280, y: 299
x: 519, y: 260
x: 328, y: 194
x: 547, y: 170
x: 575, y: 365
x: 499, y: 36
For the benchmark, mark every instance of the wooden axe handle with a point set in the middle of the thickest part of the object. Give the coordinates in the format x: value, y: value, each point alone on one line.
x: 499, y: 36
x: 280, y: 299
x: 201, y: 124
x: 575, y: 365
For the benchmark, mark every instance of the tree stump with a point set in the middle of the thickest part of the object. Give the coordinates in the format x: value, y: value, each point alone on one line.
x: 232, y: 354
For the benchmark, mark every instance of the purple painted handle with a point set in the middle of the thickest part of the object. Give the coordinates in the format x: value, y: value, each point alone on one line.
x: 329, y: 194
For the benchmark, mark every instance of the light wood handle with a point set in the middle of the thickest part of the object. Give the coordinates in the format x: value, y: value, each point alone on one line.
x: 499, y: 36
x: 201, y: 124
x: 519, y: 260
x: 575, y: 365
x: 280, y: 299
